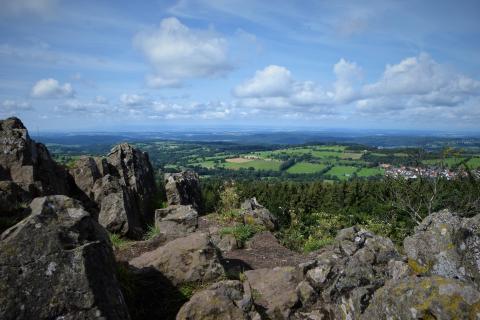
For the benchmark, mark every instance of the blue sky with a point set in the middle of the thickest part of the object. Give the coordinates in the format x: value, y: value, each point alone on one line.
x: 129, y: 65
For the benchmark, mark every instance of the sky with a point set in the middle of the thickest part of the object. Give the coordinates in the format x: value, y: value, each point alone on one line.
x: 150, y: 65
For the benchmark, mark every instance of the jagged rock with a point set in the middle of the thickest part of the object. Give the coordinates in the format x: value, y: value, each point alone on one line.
x: 188, y: 259
x: 13, y: 204
x: 118, y: 213
x: 123, y: 187
x: 136, y: 171
x: 222, y: 300
x: 28, y: 163
x: 183, y: 189
x: 398, y: 269
x: 227, y: 242
x: 446, y: 244
x: 425, y: 298
x: 255, y: 213
x: 348, y: 273
x: 274, y: 290
x: 58, y: 264
x: 176, y: 221
x: 306, y: 293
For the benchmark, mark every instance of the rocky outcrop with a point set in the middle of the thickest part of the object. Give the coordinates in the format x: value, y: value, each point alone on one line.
x: 123, y: 187
x: 27, y: 163
x: 274, y: 290
x: 425, y: 298
x: 222, y: 300
x: 189, y: 259
x: 13, y: 204
x: 58, y: 264
x: 183, y: 189
x: 446, y: 244
x: 255, y: 213
x: 176, y: 221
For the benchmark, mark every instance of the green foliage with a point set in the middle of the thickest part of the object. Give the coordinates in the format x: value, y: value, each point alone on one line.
x: 241, y: 232
x: 152, y: 232
x: 229, y: 198
x: 117, y: 241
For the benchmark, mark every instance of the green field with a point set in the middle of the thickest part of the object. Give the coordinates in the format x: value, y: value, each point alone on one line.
x: 256, y: 164
x: 342, y: 172
x: 369, y: 172
x: 306, y: 168
x: 474, y: 163
x: 449, y: 162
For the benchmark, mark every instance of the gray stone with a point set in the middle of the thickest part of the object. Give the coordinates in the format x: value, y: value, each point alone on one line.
x: 58, y: 264
x: 176, y: 221
x: 183, y: 189
x: 446, y: 244
x: 432, y: 297
x: 255, y: 213
x: 223, y: 300
x: 188, y: 259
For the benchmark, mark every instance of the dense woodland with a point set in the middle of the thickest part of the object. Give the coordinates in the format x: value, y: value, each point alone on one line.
x: 310, y: 213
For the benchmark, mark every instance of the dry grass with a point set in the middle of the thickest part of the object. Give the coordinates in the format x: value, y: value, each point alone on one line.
x: 238, y: 160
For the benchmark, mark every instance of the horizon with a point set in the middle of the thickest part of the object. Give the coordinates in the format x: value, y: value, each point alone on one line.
x: 191, y: 65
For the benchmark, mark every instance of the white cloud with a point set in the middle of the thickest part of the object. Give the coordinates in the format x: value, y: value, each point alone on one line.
x: 417, y: 82
x: 37, y: 7
x: 273, y: 81
x: 51, y: 88
x: 348, y: 74
x: 13, y: 106
x: 133, y: 100
x: 177, y: 53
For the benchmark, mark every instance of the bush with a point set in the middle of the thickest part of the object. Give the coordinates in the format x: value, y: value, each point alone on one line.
x: 152, y: 232
x: 241, y: 232
x: 117, y: 241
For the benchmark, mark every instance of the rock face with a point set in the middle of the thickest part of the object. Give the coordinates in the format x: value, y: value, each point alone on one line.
x: 183, y: 189
x: 176, y: 221
x: 448, y: 245
x: 123, y: 187
x: 27, y: 163
x: 274, y: 290
x: 13, y: 204
x: 255, y: 213
x: 188, y: 259
x: 66, y: 272
x: 222, y: 300
x: 425, y: 298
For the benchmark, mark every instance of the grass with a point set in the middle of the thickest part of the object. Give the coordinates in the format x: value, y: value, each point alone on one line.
x: 117, y: 241
x: 369, y: 172
x: 449, y: 162
x: 241, y: 232
x: 306, y: 168
x: 152, y: 232
x: 342, y: 172
x: 474, y: 163
x: 256, y: 164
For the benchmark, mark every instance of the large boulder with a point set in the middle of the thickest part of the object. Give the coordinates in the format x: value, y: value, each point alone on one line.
x: 118, y: 213
x: 183, y: 189
x: 446, y: 244
x: 274, y: 291
x: 346, y: 274
x: 256, y: 214
x: 122, y: 185
x: 432, y: 297
x: 189, y: 259
x: 176, y: 221
x: 13, y: 204
x: 58, y: 264
x: 134, y: 168
x: 225, y: 300
x: 28, y: 163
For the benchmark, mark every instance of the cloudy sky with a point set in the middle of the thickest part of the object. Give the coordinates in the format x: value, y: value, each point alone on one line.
x: 128, y: 65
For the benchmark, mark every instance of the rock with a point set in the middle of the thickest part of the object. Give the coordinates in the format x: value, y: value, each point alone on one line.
x: 117, y: 214
x: 189, y: 259
x: 122, y: 185
x: 306, y: 293
x: 14, y: 203
x: 222, y: 300
x: 254, y: 213
x: 176, y: 221
x: 58, y: 264
x: 183, y: 189
x: 398, y: 269
x: 446, y: 244
x: 134, y: 168
x: 425, y: 298
x: 348, y: 272
x: 28, y: 163
x: 227, y: 243
x: 275, y: 290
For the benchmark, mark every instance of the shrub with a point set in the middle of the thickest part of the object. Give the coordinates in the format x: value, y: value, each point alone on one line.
x: 152, y: 232
x: 241, y: 232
